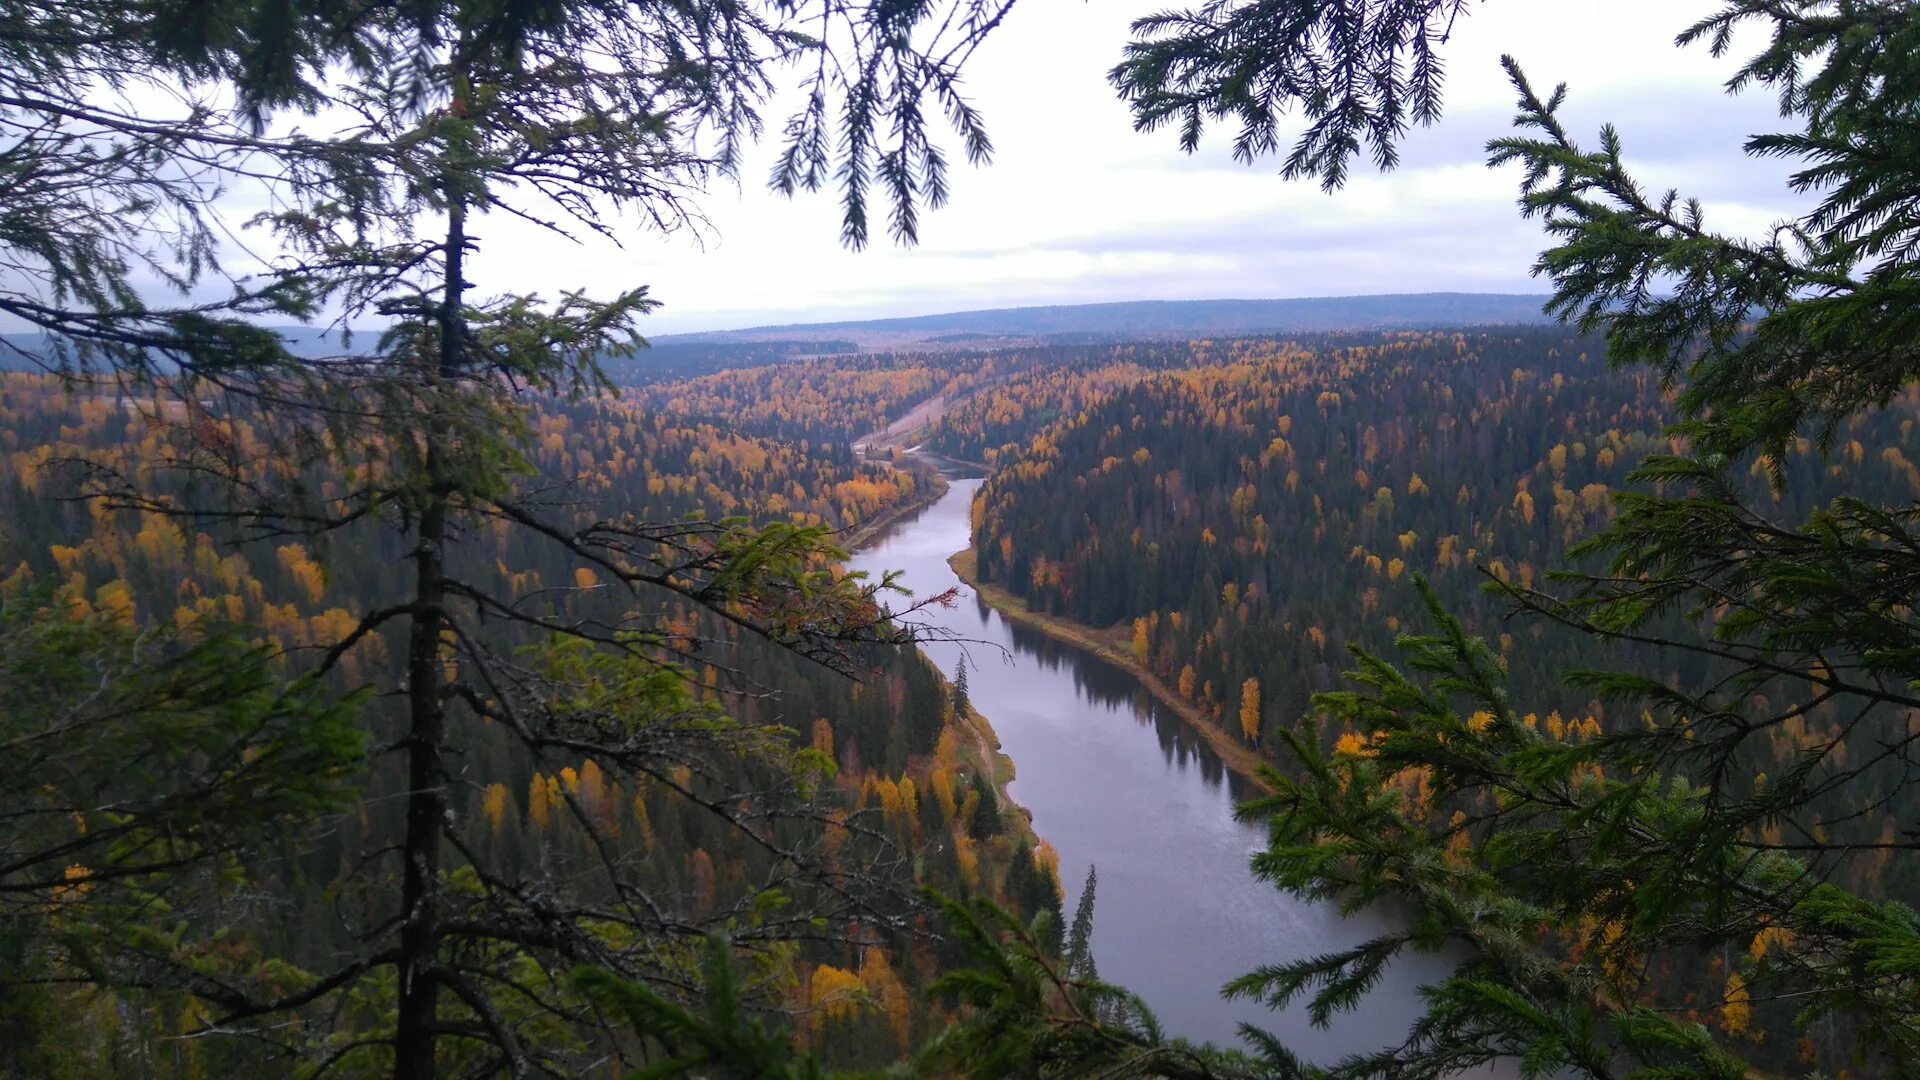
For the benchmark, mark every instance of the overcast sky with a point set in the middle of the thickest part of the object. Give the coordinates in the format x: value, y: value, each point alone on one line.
x: 1077, y: 207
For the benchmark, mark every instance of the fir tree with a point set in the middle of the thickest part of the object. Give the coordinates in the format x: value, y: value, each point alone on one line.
x: 561, y: 114
x: 1079, y: 955
x: 1362, y: 73
x: 146, y: 775
x: 962, y: 706
x: 1653, y: 844
x: 985, y: 822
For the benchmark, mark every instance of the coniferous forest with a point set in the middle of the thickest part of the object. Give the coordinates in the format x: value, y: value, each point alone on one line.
x: 481, y: 693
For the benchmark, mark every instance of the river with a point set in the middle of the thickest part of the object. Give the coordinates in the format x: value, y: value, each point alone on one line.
x: 1118, y: 782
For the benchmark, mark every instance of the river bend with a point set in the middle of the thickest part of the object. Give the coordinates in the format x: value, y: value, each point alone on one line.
x: 1117, y: 781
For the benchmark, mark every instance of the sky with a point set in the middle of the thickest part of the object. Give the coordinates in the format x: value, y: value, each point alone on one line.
x: 1077, y: 207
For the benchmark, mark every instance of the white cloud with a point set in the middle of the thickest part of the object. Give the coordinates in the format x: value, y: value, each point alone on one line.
x: 1079, y: 207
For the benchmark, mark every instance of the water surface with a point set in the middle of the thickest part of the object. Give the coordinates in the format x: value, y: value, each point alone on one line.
x: 1117, y: 781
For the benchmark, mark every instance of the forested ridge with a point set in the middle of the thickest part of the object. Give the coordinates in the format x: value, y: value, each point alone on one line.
x: 1260, y: 508
x: 1153, y: 320
x: 411, y: 703
x: 831, y: 401
x: 1233, y: 513
x: 827, y: 403
x: 891, y: 791
x: 1238, y: 524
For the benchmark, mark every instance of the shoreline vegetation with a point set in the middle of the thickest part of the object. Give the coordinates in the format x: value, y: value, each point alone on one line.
x: 1244, y: 762
x: 1000, y: 766
x: 980, y: 735
x: 933, y: 488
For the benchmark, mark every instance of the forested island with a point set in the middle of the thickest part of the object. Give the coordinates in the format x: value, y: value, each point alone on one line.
x: 402, y: 677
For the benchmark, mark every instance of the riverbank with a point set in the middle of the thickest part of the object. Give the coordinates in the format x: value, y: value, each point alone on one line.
x: 977, y: 730
x: 999, y: 766
x: 1116, y: 782
x: 1237, y: 757
x: 930, y: 487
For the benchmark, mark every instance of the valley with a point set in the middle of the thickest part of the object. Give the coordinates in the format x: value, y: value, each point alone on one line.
x: 789, y: 540
x: 1117, y: 782
x: 1151, y: 570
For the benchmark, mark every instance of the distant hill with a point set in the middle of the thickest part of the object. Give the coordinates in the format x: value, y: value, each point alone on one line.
x: 679, y: 358
x: 1154, y: 319
x: 682, y: 355
x: 32, y: 351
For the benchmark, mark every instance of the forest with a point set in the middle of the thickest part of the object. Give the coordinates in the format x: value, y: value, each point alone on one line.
x: 883, y: 783
x: 1221, y: 510
x: 1233, y: 516
x: 1144, y: 320
x: 485, y: 694
x: 1237, y: 525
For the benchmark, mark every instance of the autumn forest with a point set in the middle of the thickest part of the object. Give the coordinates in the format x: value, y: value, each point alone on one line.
x: 408, y: 669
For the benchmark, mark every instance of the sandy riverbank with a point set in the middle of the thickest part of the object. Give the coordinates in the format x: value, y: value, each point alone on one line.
x: 1237, y: 757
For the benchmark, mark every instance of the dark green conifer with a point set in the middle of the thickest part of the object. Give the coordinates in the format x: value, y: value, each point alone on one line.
x: 962, y: 705
x: 985, y: 822
x: 1079, y: 955
x: 1656, y: 843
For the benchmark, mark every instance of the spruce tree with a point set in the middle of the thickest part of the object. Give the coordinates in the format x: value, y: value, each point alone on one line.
x: 1566, y: 871
x: 985, y: 822
x: 125, y: 124
x: 414, y: 439
x: 1362, y: 73
x: 1079, y: 954
x: 145, y: 773
x: 961, y: 704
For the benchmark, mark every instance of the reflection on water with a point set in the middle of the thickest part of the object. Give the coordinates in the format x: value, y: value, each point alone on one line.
x: 1109, y: 688
x: 1116, y: 781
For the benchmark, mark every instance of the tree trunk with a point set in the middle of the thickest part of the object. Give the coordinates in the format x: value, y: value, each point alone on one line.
x: 427, y: 809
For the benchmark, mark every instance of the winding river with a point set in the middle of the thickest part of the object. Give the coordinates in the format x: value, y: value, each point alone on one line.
x: 1117, y: 782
